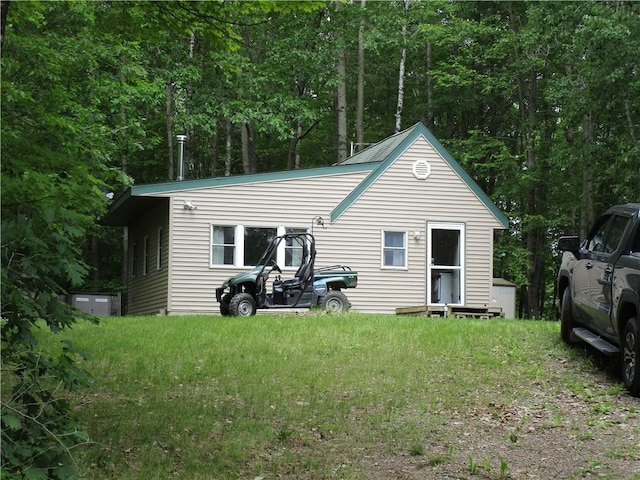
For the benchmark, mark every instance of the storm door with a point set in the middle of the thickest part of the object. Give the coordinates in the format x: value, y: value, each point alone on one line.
x: 445, y: 263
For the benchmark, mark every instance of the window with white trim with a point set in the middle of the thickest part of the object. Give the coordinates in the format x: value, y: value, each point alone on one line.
x: 394, y: 249
x: 223, y: 246
x: 242, y: 246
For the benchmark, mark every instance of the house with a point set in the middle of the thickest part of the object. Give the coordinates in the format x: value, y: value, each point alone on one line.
x: 402, y: 212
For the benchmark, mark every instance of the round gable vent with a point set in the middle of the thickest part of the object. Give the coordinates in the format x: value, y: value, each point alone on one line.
x: 421, y: 169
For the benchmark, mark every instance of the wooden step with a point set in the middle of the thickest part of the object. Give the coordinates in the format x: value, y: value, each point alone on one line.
x: 455, y: 311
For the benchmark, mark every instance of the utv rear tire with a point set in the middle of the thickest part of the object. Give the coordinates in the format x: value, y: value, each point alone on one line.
x: 242, y: 305
x: 630, y: 356
x: 566, y: 319
x: 335, y: 301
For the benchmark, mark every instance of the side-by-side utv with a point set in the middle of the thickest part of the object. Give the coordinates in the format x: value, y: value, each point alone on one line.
x: 246, y: 292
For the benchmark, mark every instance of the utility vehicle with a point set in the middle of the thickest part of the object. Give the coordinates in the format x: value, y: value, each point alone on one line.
x: 246, y: 292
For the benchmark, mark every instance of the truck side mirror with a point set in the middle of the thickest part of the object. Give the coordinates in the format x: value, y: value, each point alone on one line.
x: 569, y: 244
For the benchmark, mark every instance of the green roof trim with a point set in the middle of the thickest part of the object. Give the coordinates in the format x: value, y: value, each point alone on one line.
x: 150, y: 189
x: 391, y: 148
x: 175, y: 186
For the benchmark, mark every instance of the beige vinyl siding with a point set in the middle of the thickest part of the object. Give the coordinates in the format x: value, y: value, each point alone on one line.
x: 147, y: 294
x: 286, y: 203
x: 398, y: 201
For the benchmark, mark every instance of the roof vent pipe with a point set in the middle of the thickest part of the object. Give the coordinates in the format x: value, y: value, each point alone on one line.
x: 182, y: 141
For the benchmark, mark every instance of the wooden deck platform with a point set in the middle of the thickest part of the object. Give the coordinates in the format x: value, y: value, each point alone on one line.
x: 454, y: 311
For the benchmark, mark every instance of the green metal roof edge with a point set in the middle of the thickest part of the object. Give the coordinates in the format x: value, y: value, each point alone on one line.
x: 415, y: 131
x: 150, y: 189
x: 154, y: 188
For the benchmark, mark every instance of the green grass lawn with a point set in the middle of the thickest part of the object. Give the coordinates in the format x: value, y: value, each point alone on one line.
x: 295, y: 396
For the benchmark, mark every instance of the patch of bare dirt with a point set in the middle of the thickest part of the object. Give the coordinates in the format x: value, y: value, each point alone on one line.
x: 588, y: 429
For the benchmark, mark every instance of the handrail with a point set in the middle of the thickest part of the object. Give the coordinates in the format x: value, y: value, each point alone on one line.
x: 334, y: 267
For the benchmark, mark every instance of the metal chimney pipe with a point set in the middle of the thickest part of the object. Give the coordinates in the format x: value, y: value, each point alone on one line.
x: 182, y: 141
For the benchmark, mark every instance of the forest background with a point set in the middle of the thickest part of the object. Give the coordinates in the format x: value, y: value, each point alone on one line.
x: 539, y: 102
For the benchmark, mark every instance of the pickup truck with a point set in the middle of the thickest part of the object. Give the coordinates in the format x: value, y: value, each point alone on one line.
x: 599, y: 287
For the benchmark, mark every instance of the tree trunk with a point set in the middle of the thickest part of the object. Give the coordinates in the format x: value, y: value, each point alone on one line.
x: 587, y: 216
x: 360, y: 110
x: 214, y: 152
x: 534, y: 233
x: 169, y: 115
x: 249, y: 159
x: 403, y: 58
x: 124, y: 162
x: 429, y: 86
x: 342, y: 95
x: 228, y: 153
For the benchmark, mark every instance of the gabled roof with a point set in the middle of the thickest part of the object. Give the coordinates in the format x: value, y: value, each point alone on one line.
x: 374, y: 159
x: 388, y: 150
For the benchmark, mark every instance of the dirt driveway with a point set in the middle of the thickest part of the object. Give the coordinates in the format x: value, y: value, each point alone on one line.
x: 590, y: 429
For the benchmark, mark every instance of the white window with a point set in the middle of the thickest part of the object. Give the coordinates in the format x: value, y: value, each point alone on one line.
x: 394, y: 249
x: 242, y: 246
x: 293, y: 251
x: 223, y: 247
x: 159, y: 250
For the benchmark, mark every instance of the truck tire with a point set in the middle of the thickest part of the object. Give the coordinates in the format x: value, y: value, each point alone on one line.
x: 334, y: 301
x: 630, y: 356
x: 242, y: 305
x: 566, y: 319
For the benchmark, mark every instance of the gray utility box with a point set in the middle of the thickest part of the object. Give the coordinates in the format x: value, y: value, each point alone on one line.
x: 97, y: 304
x: 503, y: 295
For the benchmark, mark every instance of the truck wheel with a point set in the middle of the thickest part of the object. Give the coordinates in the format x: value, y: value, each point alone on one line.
x: 335, y: 301
x: 242, y: 305
x: 224, y: 305
x: 566, y: 318
x: 630, y: 356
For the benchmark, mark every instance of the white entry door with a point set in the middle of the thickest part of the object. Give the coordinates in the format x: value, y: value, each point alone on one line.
x: 445, y: 263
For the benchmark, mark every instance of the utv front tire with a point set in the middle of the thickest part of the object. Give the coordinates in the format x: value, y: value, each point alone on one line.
x: 630, y: 356
x: 334, y: 301
x: 566, y: 319
x: 242, y: 305
x: 224, y: 305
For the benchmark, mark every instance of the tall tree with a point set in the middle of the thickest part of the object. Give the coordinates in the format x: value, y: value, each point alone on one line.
x: 341, y: 105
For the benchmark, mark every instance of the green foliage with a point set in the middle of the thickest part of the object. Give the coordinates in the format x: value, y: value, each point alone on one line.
x: 49, y: 200
x: 39, y: 259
